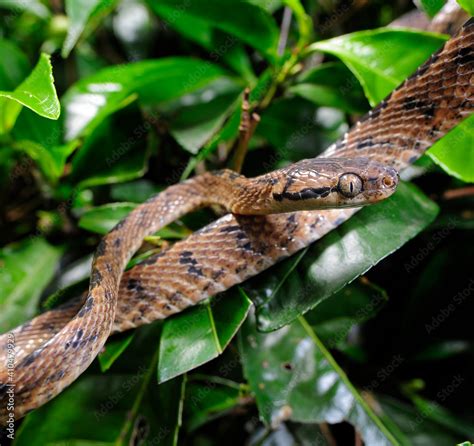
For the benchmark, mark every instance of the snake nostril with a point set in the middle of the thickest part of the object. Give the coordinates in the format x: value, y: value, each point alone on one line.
x: 388, y: 181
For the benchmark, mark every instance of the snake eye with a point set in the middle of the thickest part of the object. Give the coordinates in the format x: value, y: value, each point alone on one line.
x: 350, y: 185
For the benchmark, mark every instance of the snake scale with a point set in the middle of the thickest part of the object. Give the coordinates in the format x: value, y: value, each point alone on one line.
x: 53, y: 349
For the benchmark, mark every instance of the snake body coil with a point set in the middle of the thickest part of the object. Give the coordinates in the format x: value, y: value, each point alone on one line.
x: 56, y: 347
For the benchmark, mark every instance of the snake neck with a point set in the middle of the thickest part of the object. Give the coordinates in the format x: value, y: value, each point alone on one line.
x: 237, y: 193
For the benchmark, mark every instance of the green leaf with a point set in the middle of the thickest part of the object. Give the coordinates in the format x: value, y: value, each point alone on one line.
x: 221, y: 45
x: 51, y: 161
x: 93, y: 98
x: 194, y: 125
x: 432, y: 7
x: 36, y: 92
x: 467, y: 5
x: 80, y: 14
x: 300, y: 434
x: 135, y: 192
x: 110, y: 408
x: 354, y: 304
x: 442, y: 416
x: 331, y: 85
x: 370, y: 55
x: 304, y: 21
x: 416, y: 427
x: 13, y: 72
x: 454, y: 151
x: 102, y: 219
x: 296, y: 286
x: 98, y: 402
x: 248, y: 22
x: 41, y: 139
x: 7, y: 163
x: 298, y: 129
x: 170, y: 407
x: 26, y: 268
x: 38, y: 137
x: 116, y: 151
x: 195, y: 337
x: 270, y: 5
x: 227, y: 135
x: 33, y: 6
x: 137, y: 36
x: 207, y: 401
x: 113, y: 349
x: 30, y: 126
x: 294, y: 377
x: 97, y: 409
x: 443, y: 350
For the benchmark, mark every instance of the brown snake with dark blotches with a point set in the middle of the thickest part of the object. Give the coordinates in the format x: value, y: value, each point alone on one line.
x: 53, y: 349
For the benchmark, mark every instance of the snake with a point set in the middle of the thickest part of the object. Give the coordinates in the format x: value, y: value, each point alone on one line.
x: 269, y: 218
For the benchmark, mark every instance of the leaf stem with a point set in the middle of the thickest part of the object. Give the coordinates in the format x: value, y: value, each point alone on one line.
x: 219, y: 380
x: 132, y: 414
x: 213, y: 327
x: 330, y: 359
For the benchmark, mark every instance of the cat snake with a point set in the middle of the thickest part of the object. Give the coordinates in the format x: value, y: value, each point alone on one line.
x: 270, y: 218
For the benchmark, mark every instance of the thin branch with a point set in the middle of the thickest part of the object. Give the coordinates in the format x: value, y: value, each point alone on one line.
x: 330, y: 440
x: 285, y: 29
x: 357, y: 439
x: 459, y: 193
x: 248, y: 124
x: 133, y: 413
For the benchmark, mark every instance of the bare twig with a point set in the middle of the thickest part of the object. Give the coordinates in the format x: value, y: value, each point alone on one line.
x: 331, y: 441
x: 285, y: 29
x: 459, y: 193
x: 248, y: 124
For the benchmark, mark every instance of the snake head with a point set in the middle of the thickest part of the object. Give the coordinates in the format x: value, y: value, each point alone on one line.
x: 324, y: 183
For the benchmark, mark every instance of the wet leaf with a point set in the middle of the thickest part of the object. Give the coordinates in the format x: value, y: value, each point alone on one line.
x: 41, y: 140
x: 135, y: 192
x: 113, y: 349
x: 432, y: 7
x: 193, y: 126
x: 35, y: 7
x: 443, y: 350
x: 297, y: 129
x: 80, y: 14
x: 248, y: 22
x: 26, y: 268
x: 115, y: 152
x: 103, y: 403
x: 209, y: 400
x: 295, y: 378
x: 102, y: 219
x: 37, y: 92
x: 200, y: 334
x: 454, y: 151
x: 332, y: 85
x: 370, y: 55
x: 334, y: 317
x: 13, y: 72
x: 93, y: 98
x: 342, y: 255
x: 467, y: 5
x: 415, y: 427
